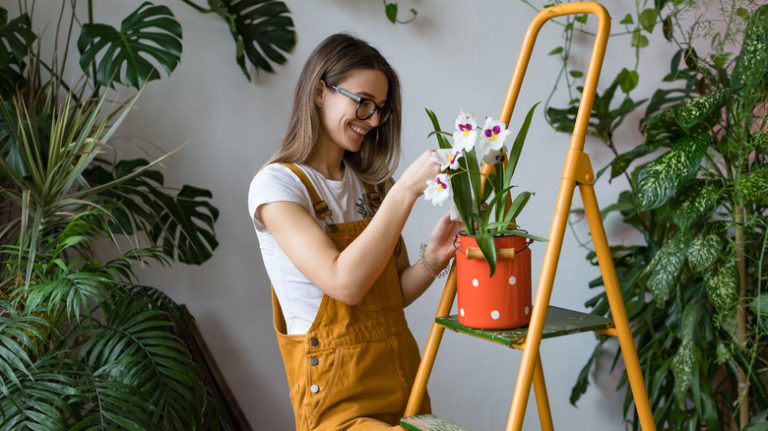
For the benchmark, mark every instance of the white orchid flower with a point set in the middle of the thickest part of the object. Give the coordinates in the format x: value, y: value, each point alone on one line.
x: 447, y: 158
x: 438, y: 190
x: 491, y: 140
x: 466, y: 132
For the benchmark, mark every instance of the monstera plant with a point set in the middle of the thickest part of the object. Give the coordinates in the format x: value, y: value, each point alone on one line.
x: 83, y: 345
x: 695, y: 285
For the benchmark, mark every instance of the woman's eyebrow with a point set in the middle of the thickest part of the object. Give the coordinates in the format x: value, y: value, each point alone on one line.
x: 371, y: 96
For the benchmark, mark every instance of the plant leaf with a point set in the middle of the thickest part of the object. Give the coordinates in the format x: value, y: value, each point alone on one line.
x: 704, y: 251
x: 150, y: 32
x: 693, y: 111
x: 721, y: 282
x: 659, y: 180
x: 485, y: 242
x: 684, y: 359
x: 751, y: 187
x: 263, y: 31
x: 665, y: 268
x: 697, y: 201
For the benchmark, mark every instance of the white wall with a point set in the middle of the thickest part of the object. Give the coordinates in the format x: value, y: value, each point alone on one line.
x: 456, y: 55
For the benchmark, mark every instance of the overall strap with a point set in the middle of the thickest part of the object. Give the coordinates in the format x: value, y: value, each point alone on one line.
x: 321, y: 208
x: 373, y: 195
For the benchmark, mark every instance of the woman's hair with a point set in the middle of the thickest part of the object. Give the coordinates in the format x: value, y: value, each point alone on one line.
x: 333, y: 61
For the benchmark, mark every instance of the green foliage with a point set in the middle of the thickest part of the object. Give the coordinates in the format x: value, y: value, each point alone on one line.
x: 262, y: 29
x: 698, y: 200
x: 149, y: 31
x: 660, y: 179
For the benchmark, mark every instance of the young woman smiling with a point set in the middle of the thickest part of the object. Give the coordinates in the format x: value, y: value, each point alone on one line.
x: 329, y: 218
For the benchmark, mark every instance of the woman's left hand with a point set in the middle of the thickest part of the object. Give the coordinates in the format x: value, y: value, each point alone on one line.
x: 440, y: 249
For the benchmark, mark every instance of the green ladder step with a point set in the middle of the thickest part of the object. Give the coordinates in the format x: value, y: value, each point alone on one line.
x: 560, y: 321
x: 429, y: 423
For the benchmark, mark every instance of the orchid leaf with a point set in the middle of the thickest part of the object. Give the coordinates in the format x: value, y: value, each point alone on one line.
x: 485, y: 242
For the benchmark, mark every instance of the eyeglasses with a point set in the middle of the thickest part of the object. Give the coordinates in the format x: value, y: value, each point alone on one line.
x: 365, y: 107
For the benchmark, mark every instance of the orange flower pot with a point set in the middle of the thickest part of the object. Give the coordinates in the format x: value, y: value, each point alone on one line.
x: 499, y: 302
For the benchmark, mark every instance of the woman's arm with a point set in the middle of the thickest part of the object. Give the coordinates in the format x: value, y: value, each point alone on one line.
x: 416, y: 278
x: 348, y: 275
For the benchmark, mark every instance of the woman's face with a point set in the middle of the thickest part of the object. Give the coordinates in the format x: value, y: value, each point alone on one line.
x: 339, y: 122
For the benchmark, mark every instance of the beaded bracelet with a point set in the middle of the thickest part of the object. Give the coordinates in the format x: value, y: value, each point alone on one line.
x: 427, y: 267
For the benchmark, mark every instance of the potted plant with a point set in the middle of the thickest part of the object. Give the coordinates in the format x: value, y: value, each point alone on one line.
x: 492, y: 255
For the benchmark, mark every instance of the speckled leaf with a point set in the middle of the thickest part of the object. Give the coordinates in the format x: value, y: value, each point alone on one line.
x: 682, y: 363
x: 722, y: 286
x: 752, y: 62
x: 659, y: 180
x: 665, y: 268
x: 694, y: 111
x: 703, y: 251
x: 752, y: 188
x: 620, y: 164
x: 697, y: 201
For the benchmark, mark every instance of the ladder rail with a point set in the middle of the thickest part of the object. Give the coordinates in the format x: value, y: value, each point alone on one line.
x: 577, y: 171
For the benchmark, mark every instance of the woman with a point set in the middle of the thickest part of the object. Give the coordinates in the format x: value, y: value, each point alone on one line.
x: 328, y: 217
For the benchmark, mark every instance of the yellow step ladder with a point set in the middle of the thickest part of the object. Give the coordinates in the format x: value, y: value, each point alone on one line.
x: 547, y: 321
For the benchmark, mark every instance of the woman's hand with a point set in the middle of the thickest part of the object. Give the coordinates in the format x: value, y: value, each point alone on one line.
x: 440, y: 248
x: 415, y: 177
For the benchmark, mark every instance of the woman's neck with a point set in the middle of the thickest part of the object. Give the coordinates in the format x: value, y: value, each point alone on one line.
x: 328, y: 160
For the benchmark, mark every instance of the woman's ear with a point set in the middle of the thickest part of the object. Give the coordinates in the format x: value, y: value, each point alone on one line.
x: 320, y: 93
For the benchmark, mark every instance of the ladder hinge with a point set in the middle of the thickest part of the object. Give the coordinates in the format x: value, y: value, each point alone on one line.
x: 578, y: 167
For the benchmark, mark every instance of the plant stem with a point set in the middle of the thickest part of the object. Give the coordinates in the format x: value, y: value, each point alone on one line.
x: 741, y: 320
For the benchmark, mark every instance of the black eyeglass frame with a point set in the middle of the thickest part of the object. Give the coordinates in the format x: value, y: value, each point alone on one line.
x: 384, y: 112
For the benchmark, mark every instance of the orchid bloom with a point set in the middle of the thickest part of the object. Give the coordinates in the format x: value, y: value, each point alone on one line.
x: 491, y: 140
x: 438, y: 190
x: 447, y: 158
x: 466, y: 132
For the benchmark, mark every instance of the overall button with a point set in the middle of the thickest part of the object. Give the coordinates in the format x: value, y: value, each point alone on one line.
x: 314, y: 361
x: 314, y: 342
x: 314, y: 389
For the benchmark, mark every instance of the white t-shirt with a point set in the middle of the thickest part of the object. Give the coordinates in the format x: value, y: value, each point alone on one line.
x: 347, y: 200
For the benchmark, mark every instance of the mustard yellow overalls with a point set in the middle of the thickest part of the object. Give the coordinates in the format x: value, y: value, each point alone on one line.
x: 354, y: 368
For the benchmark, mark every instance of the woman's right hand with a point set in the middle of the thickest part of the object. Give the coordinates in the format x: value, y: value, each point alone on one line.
x: 415, y: 177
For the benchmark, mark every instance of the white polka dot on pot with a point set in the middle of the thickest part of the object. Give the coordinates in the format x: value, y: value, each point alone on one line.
x: 461, y: 311
x: 495, y: 315
x: 527, y: 310
x: 475, y: 282
x: 512, y: 280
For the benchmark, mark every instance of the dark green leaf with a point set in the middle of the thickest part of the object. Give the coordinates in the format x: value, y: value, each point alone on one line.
x: 486, y: 244
x: 659, y: 180
x: 683, y: 361
x: 696, y: 110
x: 722, y: 285
x: 752, y: 62
x: 576, y: 73
x: 665, y: 268
x: 704, y: 251
x: 759, y: 304
x: 667, y: 28
x: 263, y: 31
x: 581, y: 18
x: 696, y: 202
x: 16, y: 39
x: 751, y: 188
x: 391, y: 11
x: 628, y: 80
x: 149, y: 33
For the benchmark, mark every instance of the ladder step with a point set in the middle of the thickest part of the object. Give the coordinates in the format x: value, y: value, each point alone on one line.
x: 429, y: 423
x: 560, y: 321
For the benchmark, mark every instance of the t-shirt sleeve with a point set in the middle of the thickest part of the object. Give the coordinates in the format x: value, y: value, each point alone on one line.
x: 274, y: 183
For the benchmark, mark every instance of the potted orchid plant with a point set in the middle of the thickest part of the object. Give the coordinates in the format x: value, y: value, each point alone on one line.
x: 492, y: 253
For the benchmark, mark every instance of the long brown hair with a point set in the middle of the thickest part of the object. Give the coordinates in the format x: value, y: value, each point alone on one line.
x: 332, y: 61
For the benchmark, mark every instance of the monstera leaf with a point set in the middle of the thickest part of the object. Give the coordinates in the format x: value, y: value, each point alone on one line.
x: 263, y: 31
x: 150, y: 31
x: 15, y: 38
x: 183, y: 224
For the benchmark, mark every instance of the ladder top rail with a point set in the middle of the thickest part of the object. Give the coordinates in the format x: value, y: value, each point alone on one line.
x: 593, y: 72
